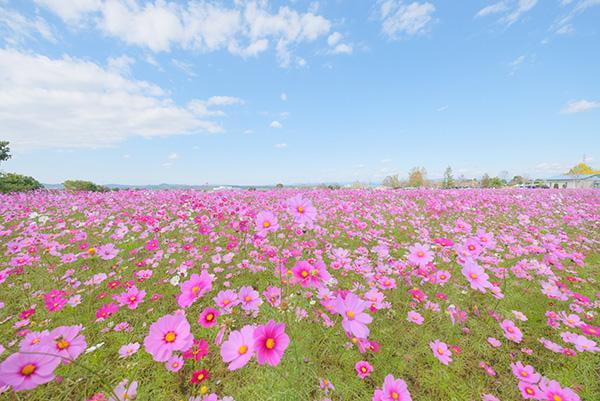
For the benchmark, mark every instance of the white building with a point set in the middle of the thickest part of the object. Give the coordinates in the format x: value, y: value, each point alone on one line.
x: 574, y: 181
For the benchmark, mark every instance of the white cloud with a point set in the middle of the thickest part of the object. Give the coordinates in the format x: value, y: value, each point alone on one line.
x: 15, y: 28
x: 276, y: 124
x: 244, y: 29
x: 512, y: 10
x: 283, y: 96
x: 224, y: 101
x: 564, y: 24
x: 187, y: 68
x: 492, y: 9
x: 73, y: 103
x: 342, y: 48
x: 281, y: 145
x: 442, y: 108
x: 173, y: 156
x: 121, y: 64
x: 400, y: 18
x: 578, y: 106
x: 334, y: 38
x: 516, y: 64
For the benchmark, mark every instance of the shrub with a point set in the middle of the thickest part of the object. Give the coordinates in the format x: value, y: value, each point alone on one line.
x: 80, y: 185
x: 11, y: 182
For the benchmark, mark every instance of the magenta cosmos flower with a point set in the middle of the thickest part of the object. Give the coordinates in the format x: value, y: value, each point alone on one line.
x: 393, y: 390
x: 354, y: 319
x: 511, y: 331
x: 363, y: 369
x: 208, y: 317
x: 27, y: 371
x: 525, y: 373
x: 302, y: 210
x: 168, y: 334
x: 441, y: 351
x: 529, y: 391
x: 266, y: 222
x: 194, y: 288
x: 239, y: 348
x: 130, y: 298
x: 270, y: 342
x: 310, y: 275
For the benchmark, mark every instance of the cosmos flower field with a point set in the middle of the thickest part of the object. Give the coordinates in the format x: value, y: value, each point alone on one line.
x: 426, y: 295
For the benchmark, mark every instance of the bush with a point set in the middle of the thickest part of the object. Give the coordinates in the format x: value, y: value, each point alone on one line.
x: 79, y: 185
x: 11, y: 182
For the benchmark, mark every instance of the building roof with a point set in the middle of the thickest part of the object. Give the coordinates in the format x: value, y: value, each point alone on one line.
x: 573, y: 177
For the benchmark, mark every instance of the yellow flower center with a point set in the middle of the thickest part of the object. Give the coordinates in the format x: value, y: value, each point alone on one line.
x: 266, y: 224
x: 363, y: 369
x: 210, y: 317
x: 200, y: 376
x: 420, y: 254
x: 248, y: 298
x: 35, y: 340
x: 473, y: 275
x: 523, y: 373
x: 529, y: 391
x: 62, y: 344
x: 304, y: 274
x: 170, y: 337
x: 395, y: 395
x: 557, y: 398
x: 132, y: 298
x: 243, y: 349
x: 91, y: 251
x: 226, y: 302
x: 270, y: 343
x: 440, y: 351
x: 195, y: 289
x: 300, y: 209
x: 28, y: 369
x: 350, y: 314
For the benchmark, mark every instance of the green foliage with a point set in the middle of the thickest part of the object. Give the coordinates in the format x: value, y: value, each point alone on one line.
x: 448, y: 178
x: 491, y: 182
x: 4, y: 151
x: 79, y: 185
x: 11, y: 182
x: 582, y: 168
x: 392, y: 181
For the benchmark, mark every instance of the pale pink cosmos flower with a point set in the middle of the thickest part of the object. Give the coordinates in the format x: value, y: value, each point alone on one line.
x: 27, y: 371
x: 226, y: 300
x: 415, y: 317
x: 511, y: 331
x: 494, y: 342
x: 529, y: 391
x: 249, y: 298
x: 266, y: 222
x: 168, y: 334
x: 552, y: 390
x: 174, y: 364
x: 441, y: 351
x: 476, y: 276
x: 419, y: 255
x: 194, y: 288
x: 128, y: 349
x: 354, y: 321
x: 33, y: 341
x: 65, y: 342
x: 302, y: 210
x: 125, y: 391
x: 239, y: 348
x: 270, y: 342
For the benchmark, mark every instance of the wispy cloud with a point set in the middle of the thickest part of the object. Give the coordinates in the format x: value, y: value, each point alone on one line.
x: 579, y: 106
x: 398, y: 18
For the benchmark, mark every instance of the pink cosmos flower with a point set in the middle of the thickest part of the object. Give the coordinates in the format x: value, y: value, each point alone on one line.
x: 552, y: 391
x: 249, y: 299
x: 529, y: 391
x: 363, y: 369
x: 511, y: 331
x: 208, y: 317
x: 128, y: 350
x: 168, y: 334
x: 131, y: 298
x: 441, y: 351
x: 310, y: 275
x: 194, y: 288
x: 590, y: 330
x: 419, y: 255
x: 415, y: 317
x: 525, y: 373
x: 354, y: 319
x: 494, y: 342
x: 393, y: 390
x: 239, y: 348
x: 32, y: 342
x: 273, y: 296
x: 107, y: 252
x: 266, y: 222
x: 65, y: 342
x: 27, y: 371
x: 302, y: 210
x: 226, y: 299
x: 270, y: 342
x: 476, y: 276
x: 174, y: 364
x: 125, y: 391
x: 106, y: 310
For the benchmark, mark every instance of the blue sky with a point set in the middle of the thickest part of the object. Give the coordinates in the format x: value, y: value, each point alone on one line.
x: 257, y: 92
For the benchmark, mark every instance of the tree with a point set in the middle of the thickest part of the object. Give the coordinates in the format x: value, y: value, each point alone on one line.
x: 491, y: 182
x: 582, y: 168
x: 11, y: 182
x: 416, y: 177
x: 448, y: 178
x: 279, y: 186
x: 4, y: 151
x: 517, y: 180
x: 80, y: 185
x: 392, y: 181
x: 485, y: 181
